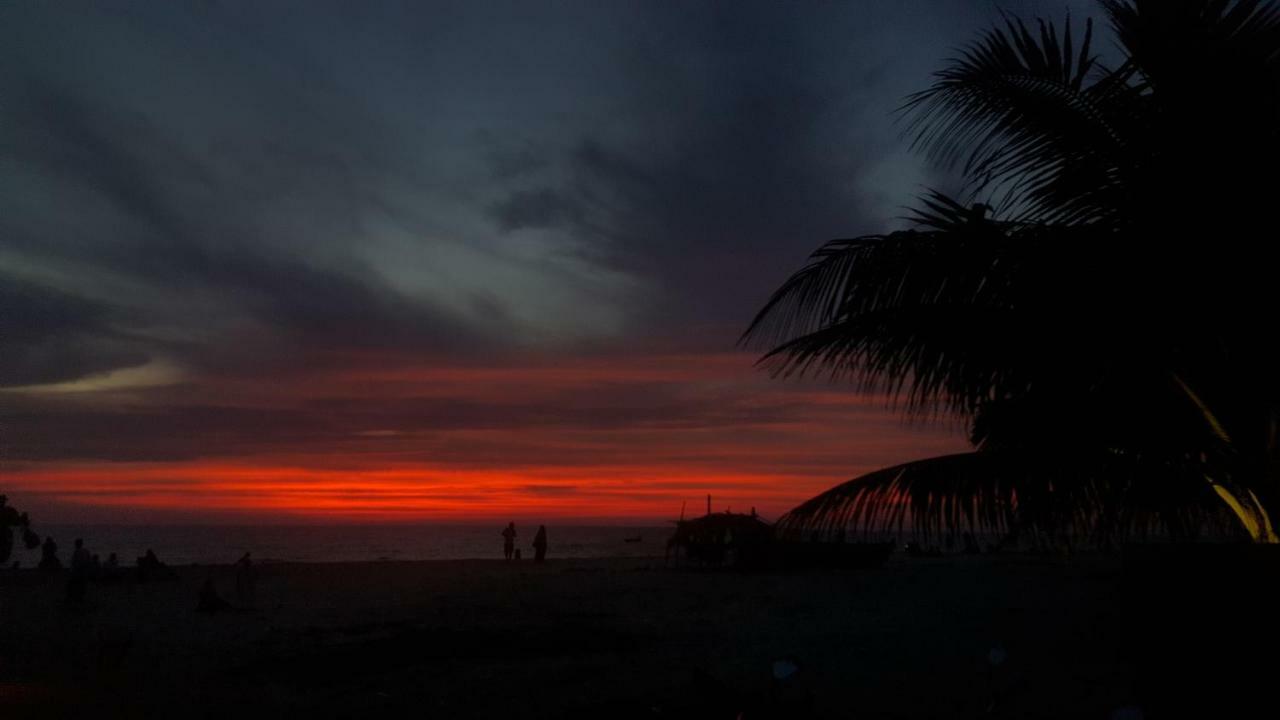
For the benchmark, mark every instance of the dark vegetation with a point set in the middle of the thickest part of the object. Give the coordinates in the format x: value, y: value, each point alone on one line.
x: 1094, y: 304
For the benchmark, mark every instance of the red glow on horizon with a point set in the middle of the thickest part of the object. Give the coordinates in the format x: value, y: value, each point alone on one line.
x: 624, y: 439
x: 409, y: 493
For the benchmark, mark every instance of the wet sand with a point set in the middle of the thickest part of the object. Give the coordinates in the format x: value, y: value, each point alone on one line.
x: 590, y: 638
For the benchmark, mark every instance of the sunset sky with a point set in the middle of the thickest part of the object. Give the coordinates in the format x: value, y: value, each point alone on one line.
x: 311, y: 261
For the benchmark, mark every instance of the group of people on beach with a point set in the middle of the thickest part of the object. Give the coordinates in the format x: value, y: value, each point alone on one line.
x: 509, y: 550
x: 87, y: 566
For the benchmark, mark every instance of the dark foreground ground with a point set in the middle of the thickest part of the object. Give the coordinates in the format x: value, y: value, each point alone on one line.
x: 591, y: 639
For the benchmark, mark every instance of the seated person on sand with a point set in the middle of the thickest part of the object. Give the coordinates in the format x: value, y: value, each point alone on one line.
x: 150, y: 567
x: 210, y: 601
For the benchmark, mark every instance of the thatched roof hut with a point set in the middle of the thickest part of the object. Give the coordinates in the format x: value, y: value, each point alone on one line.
x: 745, y: 541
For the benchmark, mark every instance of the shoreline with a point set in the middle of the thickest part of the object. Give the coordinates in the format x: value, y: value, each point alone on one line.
x: 185, y: 545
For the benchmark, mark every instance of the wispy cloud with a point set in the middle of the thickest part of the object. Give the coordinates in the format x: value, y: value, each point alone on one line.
x: 437, y: 238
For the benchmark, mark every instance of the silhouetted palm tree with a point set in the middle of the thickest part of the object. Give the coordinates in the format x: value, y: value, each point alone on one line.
x: 1096, y: 304
x: 11, y: 520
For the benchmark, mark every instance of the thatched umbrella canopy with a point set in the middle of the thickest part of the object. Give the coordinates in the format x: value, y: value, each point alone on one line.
x: 722, y: 539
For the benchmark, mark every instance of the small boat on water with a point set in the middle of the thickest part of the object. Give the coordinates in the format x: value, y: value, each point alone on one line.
x: 635, y: 539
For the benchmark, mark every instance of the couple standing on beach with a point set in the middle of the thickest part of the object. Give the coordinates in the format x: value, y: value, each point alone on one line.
x: 539, y: 543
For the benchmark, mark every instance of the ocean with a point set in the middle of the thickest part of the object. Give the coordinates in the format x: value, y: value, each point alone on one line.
x: 210, y: 544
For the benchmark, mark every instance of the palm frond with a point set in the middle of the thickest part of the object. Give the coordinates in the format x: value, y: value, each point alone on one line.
x: 1051, y: 304
x: 942, y: 317
x: 1163, y: 38
x: 922, y: 314
x: 1034, y: 118
x: 1102, y: 498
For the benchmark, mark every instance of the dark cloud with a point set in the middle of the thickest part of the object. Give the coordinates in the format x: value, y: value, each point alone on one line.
x: 248, y: 194
x: 47, y: 336
x: 181, y: 228
x: 34, y: 313
x: 173, y: 427
x: 537, y: 209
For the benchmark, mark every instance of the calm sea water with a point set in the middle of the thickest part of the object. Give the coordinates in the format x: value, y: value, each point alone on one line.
x: 205, y: 544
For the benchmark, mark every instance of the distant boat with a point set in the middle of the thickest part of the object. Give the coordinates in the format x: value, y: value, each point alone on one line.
x: 637, y: 538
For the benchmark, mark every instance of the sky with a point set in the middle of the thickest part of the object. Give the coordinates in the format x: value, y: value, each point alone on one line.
x: 313, y: 261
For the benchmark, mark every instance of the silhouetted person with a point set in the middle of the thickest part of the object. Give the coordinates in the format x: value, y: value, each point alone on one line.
x: 509, y: 540
x: 111, y: 568
x: 81, y: 566
x: 150, y: 567
x: 80, y: 557
x: 210, y: 601
x: 244, y: 580
x: 540, y: 544
x: 49, y: 555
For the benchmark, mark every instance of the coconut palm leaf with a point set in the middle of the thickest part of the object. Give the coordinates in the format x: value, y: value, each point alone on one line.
x: 1034, y: 119
x: 1055, y: 320
x: 1212, y: 72
x: 1249, y: 510
x: 951, y: 315
x: 918, y: 313
x: 1103, y: 498
x: 1164, y: 37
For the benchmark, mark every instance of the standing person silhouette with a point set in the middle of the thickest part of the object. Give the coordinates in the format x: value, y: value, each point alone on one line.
x: 49, y: 555
x: 81, y: 561
x: 540, y: 544
x: 509, y: 540
x: 245, y: 580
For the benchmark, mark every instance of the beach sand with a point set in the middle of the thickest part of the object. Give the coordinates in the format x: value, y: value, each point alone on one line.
x: 590, y: 638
